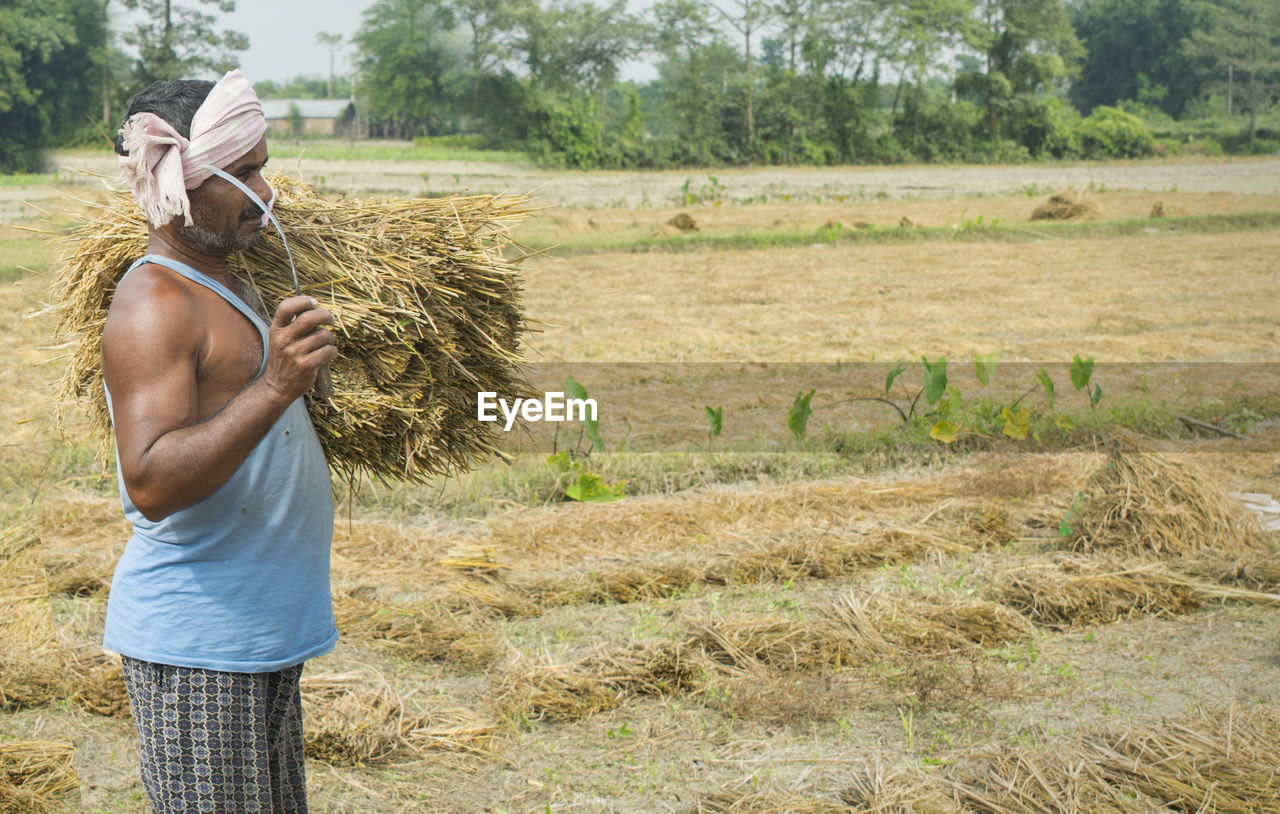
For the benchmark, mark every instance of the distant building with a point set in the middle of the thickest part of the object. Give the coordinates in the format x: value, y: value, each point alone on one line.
x: 314, y: 117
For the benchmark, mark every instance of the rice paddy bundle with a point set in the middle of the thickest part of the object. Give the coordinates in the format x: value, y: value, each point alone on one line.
x: 616, y: 582
x: 929, y: 623
x: 1259, y: 572
x: 421, y: 632
x: 901, y: 790
x: 649, y: 667
x: 426, y: 313
x: 72, y: 577
x: 554, y: 692
x: 494, y: 596
x: 1223, y: 760
x: 349, y: 723
x: 819, y: 555
x: 27, y: 682
x: 792, y: 644
x: 97, y: 685
x: 40, y: 769
x: 595, y: 682
x: 16, y: 800
x: 830, y: 553
x: 1077, y: 591
x: 17, y: 539
x: 1069, y: 204
x: 1143, y: 502
x: 768, y: 802
x: 22, y: 570
x: 355, y: 720
x: 1013, y: 780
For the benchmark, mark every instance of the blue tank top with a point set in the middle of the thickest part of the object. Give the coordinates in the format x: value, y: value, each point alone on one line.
x: 238, y: 582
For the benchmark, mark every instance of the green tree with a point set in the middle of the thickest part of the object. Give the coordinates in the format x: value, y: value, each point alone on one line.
x: 492, y: 25
x: 408, y: 66
x: 177, y: 42
x: 695, y: 67
x: 47, y: 49
x: 747, y: 17
x: 1132, y: 41
x: 1025, y: 44
x: 575, y: 44
x: 1242, y: 38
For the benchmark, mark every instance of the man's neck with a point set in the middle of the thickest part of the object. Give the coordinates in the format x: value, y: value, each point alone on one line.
x: 165, y: 243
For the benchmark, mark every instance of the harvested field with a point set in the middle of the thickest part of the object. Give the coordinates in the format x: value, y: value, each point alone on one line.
x: 857, y: 303
x: 763, y: 624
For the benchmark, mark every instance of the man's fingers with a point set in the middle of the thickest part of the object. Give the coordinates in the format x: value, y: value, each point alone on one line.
x: 303, y: 307
x: 313, y: 341
x: 323, y: 354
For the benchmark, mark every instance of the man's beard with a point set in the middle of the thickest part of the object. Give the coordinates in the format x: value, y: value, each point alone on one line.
x: 216, y: 244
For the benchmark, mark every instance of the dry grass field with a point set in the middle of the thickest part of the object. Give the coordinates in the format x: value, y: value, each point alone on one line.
x: 1079, y: 625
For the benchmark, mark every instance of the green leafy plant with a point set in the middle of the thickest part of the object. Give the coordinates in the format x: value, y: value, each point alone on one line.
x: 1081, y: 370
x: 935, y: 379
x: 1016, y: 423
x: 798, y: 415
x: 1047, y: 385
x: 583, y: 485
x: 591, y: 426
x: 715, y: 421
x: 984, y: 365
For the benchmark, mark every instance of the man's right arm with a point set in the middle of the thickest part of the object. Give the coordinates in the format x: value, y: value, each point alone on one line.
x: 170, y: 457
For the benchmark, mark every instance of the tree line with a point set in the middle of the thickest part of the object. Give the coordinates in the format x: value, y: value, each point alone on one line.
x: 738, y: 81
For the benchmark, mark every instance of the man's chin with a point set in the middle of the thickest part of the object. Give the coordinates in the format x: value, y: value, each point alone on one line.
x: 219, y: 245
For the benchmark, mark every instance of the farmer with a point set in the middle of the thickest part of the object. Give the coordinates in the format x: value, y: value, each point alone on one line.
x: 223, y: 589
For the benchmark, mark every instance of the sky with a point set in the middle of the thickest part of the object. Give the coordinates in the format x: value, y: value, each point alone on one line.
x: 282, y: 35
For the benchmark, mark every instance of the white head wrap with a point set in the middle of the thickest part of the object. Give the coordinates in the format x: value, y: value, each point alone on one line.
x: 161, y: 165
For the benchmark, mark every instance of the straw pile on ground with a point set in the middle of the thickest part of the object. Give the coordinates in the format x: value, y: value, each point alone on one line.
x: 420, y: 632
x: 817, y: 555
x: 565, y: 692
x: 427, y: 313
x: 1142, y: 502
x: 1074, y: 591
x: 767, y: 802
x: 1069, y: 204
x: 854, y: 631
x: 1223, y: 761
x: 356, y: 720
x: 894, y: 623
x: 37, y: 776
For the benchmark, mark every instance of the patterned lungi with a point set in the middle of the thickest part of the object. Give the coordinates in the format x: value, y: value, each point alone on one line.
x: 218, y: 742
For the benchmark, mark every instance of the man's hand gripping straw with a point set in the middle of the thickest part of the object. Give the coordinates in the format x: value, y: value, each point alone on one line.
x: 324, y: 382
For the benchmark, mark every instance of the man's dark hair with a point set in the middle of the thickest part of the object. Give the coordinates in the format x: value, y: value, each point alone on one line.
x: 176, y: 101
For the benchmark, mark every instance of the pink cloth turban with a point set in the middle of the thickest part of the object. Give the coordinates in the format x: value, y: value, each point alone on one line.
x: 162, y: 165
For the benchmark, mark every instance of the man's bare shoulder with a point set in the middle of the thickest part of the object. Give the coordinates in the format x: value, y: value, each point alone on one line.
x: 152, y: 302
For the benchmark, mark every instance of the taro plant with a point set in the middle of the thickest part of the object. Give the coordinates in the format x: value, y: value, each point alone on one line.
x: 581, y: 484
x: 1081, y: 372
x: 715, y: 422
x: 798, y: 415
x: 591, y: 426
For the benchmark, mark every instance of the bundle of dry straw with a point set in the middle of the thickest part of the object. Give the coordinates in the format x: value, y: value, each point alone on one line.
x: 427, y: 313
x: 1143, y: 502
x: 37, y: 776
x: 354, y: 720
x: 1068, y: 204
x: 1071, y: 590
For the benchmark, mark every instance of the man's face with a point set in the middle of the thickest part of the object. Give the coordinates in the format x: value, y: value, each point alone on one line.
x: 223, y: 219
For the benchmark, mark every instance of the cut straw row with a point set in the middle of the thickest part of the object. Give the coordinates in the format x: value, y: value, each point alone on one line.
x: 854, y: 631
x: 1221, y: 761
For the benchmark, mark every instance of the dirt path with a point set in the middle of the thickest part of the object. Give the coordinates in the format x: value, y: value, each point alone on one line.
x: 603, y: 189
